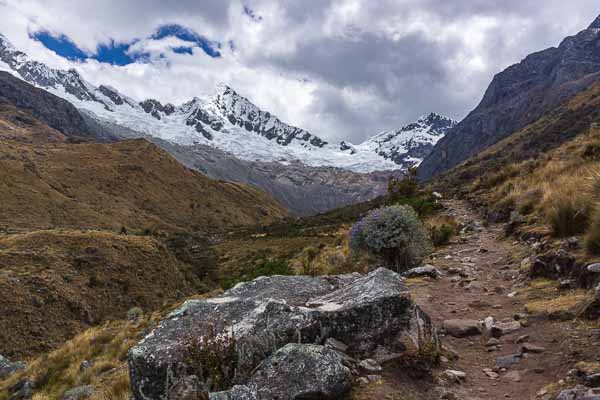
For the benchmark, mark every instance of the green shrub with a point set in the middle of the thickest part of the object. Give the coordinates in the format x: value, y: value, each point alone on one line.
x: 271, y: 267
x: 441, y: 234
x: 266, y: 267
x: 134, y: 314
x: 395, y: 234
x: 406, y: 186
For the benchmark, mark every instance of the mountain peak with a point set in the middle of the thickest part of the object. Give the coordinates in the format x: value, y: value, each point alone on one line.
x: 222, y: 88
x: 595, y: 24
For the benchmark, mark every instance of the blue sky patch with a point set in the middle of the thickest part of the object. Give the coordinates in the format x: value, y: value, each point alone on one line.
x: 183, y: 50
x: 210, y: 47
x: 118, y: 53
x: 61, y: 45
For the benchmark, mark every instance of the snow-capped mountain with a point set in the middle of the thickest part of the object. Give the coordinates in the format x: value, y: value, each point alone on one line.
x: 409, y: 145
x: 230, y: 122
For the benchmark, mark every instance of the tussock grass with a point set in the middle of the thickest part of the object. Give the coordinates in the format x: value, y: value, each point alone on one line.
x: 561, y: 189
x: 441, y: 228
x: 105, y: 347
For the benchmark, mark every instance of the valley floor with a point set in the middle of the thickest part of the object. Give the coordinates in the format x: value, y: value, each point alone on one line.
x: 480, y: 270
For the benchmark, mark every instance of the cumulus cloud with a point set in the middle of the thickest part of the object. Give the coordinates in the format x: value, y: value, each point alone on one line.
x: 343, y: 69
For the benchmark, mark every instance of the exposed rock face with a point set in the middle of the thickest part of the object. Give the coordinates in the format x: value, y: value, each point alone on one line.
x: 518, y: 96
x: 409, y: 145
x: 300, y: 371
x: 302, y: 189
x: 363, y: 312
x: 51, y: 110
x: 8, y: 368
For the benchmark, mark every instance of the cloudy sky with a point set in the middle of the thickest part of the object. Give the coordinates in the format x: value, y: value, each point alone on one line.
x: 343, y: 69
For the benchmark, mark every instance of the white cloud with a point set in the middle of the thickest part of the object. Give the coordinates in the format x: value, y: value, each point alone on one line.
x: 342, y: 69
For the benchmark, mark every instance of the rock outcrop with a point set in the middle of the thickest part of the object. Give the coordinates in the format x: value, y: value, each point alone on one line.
x: 253, y: 322
x: 518, y: 96
x: 8, y: 368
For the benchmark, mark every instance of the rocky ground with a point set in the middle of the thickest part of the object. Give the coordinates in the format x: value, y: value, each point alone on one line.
x: 519, y: 355
x: 503, y: 334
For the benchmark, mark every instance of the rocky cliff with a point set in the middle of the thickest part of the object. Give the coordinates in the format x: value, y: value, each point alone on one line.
x: 520, y: 95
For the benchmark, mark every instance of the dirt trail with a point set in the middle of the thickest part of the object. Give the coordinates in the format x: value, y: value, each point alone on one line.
x: 483, y: 292
x: 490, y: 274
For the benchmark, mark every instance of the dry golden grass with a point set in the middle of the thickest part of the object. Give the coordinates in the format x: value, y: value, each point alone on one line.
x: 566, y: 302
x: 104, y: 346
x: 441, y: 228
x: 589, y: 367
x: 131, y: 184
x: 561, y: 188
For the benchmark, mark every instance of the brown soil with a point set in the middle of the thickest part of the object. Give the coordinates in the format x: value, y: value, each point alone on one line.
x: 496, y: 274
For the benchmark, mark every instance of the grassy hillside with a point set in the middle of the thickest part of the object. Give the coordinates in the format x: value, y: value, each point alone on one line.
x: 495, y: 164
x: 54, y: 284
x: 89, y: 230
x: 548, y: 173
x: 130, y: 184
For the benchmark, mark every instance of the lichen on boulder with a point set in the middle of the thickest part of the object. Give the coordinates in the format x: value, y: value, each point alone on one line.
x: 365, y: 312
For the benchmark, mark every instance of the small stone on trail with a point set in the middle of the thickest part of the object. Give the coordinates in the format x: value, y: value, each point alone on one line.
x: 490, y: 374
x: 522, y: 339
x: 492, y: 342
x: 455, y: 376
x: 461, y: 328
x: 512, y: 294
x: 370, y: 365
x: 531, y: 348
x: 426, y: 270
x: 514, y: 376
x: 508, y: 361
x: 335, y: 344
x: 504, y: 328
x: 479, y: 304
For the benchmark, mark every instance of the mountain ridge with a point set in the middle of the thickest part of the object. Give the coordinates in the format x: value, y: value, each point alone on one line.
x: 518, y: 96
x: 224, y: 120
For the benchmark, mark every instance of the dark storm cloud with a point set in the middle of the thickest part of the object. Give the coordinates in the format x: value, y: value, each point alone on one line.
x: 413, y: 75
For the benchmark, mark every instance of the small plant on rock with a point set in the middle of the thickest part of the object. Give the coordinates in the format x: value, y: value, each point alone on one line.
x: 395, y: 234
x: 213, y: 358
x: 308, y: 261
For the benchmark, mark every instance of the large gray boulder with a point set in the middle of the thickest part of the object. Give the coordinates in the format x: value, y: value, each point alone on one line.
x: 257, y: 318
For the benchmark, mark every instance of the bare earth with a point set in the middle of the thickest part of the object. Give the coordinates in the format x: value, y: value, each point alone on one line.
x: 493, y: 274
